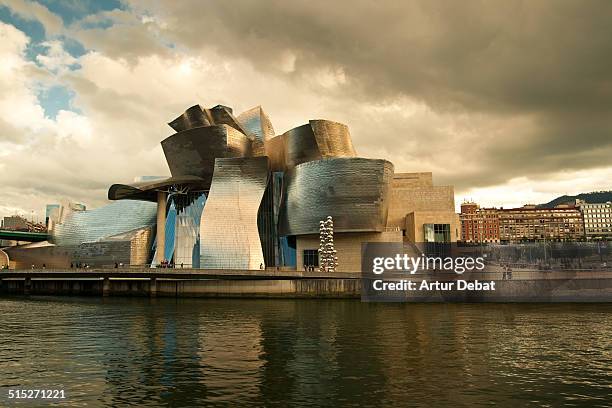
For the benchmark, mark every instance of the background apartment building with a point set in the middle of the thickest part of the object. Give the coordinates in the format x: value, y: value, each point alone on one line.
x: 524, y: 224
x: 14, y: 223
x: 479, y: 225
x: 530, y: 223
x: 597, y: 219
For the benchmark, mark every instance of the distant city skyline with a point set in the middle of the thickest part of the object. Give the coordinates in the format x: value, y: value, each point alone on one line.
x: 509, y: 102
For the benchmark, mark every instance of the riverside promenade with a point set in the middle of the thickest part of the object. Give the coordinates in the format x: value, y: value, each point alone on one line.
x: 178, y: 282
x: 583, y: 285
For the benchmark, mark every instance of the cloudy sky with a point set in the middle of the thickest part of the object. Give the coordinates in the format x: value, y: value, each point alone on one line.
x: 509, y: 101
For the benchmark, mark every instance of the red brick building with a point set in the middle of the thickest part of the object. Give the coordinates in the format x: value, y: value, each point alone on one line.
x: 479, y: 225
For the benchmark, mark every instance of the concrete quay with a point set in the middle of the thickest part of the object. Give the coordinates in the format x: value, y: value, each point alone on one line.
x: 525, y: 286
x: 169, y: 282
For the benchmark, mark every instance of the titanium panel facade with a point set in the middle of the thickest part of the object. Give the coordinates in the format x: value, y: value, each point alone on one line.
x: 222, y: 115
x: 193, y: 152
x: 263, y: 192
x: 275, y: 150
x: 258, y: 127
x: 354, y: 191
x: 257, y: 124
x: 103, y: 222
x: 333, y: 138
x: 316, y: 140
x: 196, y: 116
x: 229, y: 237
x: 300, y: 146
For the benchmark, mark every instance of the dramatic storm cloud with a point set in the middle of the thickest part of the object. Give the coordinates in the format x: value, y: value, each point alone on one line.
x: 508, y: 101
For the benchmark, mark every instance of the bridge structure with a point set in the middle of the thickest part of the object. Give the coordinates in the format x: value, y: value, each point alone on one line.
x: 24, y: 236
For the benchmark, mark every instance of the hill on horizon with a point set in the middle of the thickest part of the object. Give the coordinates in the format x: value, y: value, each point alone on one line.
x: 593, y: 197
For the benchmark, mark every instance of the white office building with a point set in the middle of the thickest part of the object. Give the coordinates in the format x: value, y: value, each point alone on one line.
x: 597, y: 219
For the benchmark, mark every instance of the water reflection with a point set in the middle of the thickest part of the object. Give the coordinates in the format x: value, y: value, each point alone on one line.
x: 139, y: 352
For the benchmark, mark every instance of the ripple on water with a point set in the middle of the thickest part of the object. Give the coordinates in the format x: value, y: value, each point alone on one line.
x: 140, y: 352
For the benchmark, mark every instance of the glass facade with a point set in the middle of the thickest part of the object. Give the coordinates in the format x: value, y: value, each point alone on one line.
x: 187, y: 245
x: 51, y: 211
x: 182, y: 243
x: 288, y: 251
x: 170, y: 234
x: 437, y: 233
x: 437, y: 240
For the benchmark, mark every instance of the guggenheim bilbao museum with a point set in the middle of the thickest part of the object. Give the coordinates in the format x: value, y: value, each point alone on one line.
x: 242, y: 197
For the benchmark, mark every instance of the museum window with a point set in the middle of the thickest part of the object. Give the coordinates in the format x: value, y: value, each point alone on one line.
x: 437, y: 239
x: 437, y: 232
x: 311, y: 257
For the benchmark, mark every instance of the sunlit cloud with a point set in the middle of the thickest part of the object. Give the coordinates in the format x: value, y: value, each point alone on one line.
x: 507, y: 111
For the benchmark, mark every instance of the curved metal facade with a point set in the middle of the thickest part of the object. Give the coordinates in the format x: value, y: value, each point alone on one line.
x: 249, y: 219
x: 354, y: 191
x: 195, y: 116
x: 193, y: 152
x: 222, y: 115
x: 258, y: 127
x: 275, y: 150
x: 229, y: 237
x: 147, y: 190
x: 257, y: 124
x: 300, y: 146
x: 204, y: 135
x: 333, y: 138
x: 318, y: 139
x: 113, y: 219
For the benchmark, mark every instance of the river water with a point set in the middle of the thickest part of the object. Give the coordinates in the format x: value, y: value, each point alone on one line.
x: 166, y: 352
